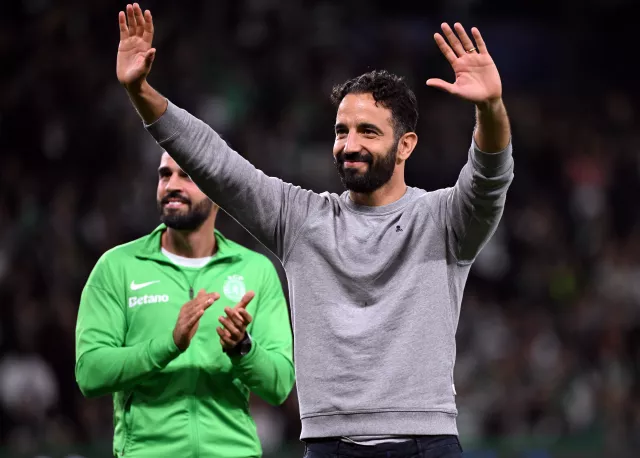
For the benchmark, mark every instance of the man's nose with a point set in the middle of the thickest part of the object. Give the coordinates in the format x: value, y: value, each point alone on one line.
x: 352, y: 145
x: 173, y: 183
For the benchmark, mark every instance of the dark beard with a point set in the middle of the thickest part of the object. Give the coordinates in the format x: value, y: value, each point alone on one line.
x: 378, y: 172
x: 189, y: 221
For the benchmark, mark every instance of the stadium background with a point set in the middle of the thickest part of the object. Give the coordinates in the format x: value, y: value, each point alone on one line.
x: 549, y: 338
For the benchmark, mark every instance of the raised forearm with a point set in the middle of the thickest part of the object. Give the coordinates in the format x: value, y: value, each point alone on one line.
x: 493, y: 131
x: 149, y: 103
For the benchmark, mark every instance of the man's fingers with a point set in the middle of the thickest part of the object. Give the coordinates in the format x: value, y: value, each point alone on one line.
x: 245, y: 300
x: 204, y: 302
x: 445, y: 48
x: 189, y: 313
x: 202, y: 293
x: 131, y: 21
x: 211, y: 298
x: 467, y: 44
x: 193, y: 319
x: 148, y: 27
x: 151, y: 54
x: 225, y: 338
x: 229, y: 326
x: 234, y: 316
x: 441, y: 84
x: 224, y: 334
x: 239, y: 317
x: 227, y: 343
x: 197, y: 305
x: 246, y: 317
x: 139, y: 19
x: 235, y: 332
x: 453, y: 39
x: 122, y: 23
x: 480, y: 44
x: 203, y: 297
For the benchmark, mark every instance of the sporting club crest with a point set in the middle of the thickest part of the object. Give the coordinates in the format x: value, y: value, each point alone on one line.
x: 234, y: 287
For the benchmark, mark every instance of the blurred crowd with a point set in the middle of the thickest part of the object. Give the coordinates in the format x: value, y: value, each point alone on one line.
x: 549, y: 336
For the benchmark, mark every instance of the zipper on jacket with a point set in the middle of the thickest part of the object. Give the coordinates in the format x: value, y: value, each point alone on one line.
x: 191, y: 289
x: 126, y: 412
x: 194, y: 426
x: 193, y: 405
x: 192, y: 400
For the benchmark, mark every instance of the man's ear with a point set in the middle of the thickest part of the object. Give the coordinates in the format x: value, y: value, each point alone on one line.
x: 406, y: 145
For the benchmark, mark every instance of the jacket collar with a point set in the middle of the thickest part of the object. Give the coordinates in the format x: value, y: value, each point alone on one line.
x: 150, y: 247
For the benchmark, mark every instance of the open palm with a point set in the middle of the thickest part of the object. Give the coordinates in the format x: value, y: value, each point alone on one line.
x: 135, y: 54
x: 477, y: 77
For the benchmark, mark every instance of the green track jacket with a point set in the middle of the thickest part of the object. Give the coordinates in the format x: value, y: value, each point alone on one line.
x: 168, y: 403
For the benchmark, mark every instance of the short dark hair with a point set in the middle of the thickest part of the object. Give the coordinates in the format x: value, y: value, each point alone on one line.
x: 390, y: 91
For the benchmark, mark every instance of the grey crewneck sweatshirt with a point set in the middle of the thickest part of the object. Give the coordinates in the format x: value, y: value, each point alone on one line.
x: 375, y: 291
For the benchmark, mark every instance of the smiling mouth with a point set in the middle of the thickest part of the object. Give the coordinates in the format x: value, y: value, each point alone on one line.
x: 174, y: 204
x: 353, y: 163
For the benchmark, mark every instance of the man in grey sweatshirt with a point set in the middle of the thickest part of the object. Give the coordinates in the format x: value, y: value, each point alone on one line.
x: 376, y: 274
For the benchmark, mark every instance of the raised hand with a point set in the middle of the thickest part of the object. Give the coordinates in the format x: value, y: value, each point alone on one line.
x: 189, y: 318
x: 477, y: 78
x: 135, y: 54
x: 235, y: 323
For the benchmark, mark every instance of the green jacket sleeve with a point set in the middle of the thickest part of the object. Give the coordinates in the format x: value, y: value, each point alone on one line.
x: 267, y: 370
x: 103, y: 364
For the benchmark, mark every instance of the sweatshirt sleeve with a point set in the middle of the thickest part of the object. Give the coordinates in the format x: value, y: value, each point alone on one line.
x: 270, y: 209
x: 103, y: 364
x: 267, y: 370
x: 472, y: 209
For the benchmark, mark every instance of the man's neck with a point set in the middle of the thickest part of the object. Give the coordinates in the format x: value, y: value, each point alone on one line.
x: 385, y: 195
x: 190, y: 244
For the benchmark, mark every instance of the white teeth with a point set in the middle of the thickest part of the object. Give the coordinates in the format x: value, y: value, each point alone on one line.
x: 174, y: 203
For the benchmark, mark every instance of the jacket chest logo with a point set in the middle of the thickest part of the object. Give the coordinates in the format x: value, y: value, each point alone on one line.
x: 234, y: 287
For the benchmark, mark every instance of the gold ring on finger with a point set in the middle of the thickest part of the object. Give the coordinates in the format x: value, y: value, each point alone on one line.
x: 471, y: 50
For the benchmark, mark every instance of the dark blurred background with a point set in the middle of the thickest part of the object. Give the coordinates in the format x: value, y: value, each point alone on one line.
x: 549, y: 337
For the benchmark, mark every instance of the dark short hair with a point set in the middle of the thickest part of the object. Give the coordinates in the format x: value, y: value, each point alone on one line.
x: 388, y: 90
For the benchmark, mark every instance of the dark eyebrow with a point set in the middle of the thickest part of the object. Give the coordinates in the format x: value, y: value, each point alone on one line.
x: 362, y: 126
x: 369, y: 126
x: 163, y: 170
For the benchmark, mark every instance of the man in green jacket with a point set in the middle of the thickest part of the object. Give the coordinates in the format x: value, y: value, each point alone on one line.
x: 178, y: 392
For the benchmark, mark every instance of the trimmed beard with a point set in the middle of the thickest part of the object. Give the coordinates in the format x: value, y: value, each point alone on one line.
x: 190, y: 220
x: 378, y: 172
